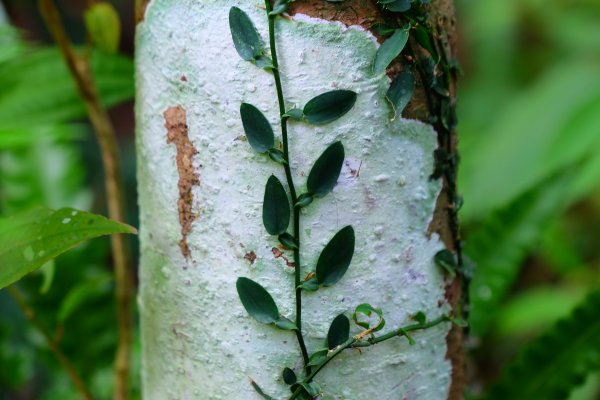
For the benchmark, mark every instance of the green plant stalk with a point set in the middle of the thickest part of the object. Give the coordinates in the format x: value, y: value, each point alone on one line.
x: 354, y: 342
x: 290, y: 182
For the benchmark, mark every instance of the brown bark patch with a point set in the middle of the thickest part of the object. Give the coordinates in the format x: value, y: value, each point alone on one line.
x: 140, y: 10
x: 177, y: 133
x: 362, y: 12
x: 250, y: 257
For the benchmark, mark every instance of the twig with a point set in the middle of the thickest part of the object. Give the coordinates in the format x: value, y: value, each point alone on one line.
x: 105, y: 134
x: 52, y: 345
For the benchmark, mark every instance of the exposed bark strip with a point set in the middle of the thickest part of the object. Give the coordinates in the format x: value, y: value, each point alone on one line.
x: 140, y: 10
x: 177, y: 132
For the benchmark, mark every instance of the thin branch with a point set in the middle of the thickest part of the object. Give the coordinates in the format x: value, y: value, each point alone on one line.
x: 105, y: 134
x: 52, y: 345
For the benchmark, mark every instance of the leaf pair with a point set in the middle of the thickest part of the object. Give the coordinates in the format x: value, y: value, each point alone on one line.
x: 333, y: 261
x: 246, y: 39
x: 260, y: 305
x: 326, y: 107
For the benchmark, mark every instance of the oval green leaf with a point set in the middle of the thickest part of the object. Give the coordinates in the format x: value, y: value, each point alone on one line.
x: 399, y: 5
x: 389, y: 50
x: 339, y: 331
x: 30, y: 240
x: 257, y: 128
x: 329, y: 106
x: 318, y: 357
x: 289, y: 376
x: 336, y: 257
x: 276, y: 207
x: 325, y: 172
x: 400, y: 92
x: 245, y: 37
x: 104, y: 26
x: 257, y: 301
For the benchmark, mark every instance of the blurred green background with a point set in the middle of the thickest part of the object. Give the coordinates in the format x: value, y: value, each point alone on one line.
x: 529, y: 112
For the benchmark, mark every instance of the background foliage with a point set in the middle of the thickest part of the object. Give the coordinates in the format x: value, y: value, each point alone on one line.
x: 529, y: 113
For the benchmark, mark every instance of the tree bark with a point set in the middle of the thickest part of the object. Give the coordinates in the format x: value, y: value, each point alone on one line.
x: 201, y: 188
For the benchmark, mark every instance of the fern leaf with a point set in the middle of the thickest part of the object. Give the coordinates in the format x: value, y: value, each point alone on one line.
x: 558, y: 361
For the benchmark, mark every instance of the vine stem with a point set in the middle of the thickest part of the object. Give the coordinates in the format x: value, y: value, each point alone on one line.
x: 356, y: 342
x: 52, y: 345
x: 105, y: 134
x: 290, y: 182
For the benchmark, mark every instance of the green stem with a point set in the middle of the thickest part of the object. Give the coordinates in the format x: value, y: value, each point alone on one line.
x: 290, y: 182
x: 353, y: 342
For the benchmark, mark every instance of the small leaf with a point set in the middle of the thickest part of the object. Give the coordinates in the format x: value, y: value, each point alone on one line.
x: 318, y: 357
x: 295, y: 113
x: 28, y: 241
x: 420, y: 317
x: 325, y: 172
x: 410, y: 339
x: 329, y: 106
x: 336, y: 257
x: 400, y: 92
x: 276, y: 207
x: 277, y: 155
x: 399, y: 5
x: 264, y: 62
x: 310, y: 285
x: 285, y: 324
x: 257, y: 301
x: 339, y: 331
x: 445, y: 259
x: 257, y: 128
x: 289, y: 376
x: 382, y: 29
x: 367, y: 309
x: 304, y: 199
x: 260, y: 391
x: 389, y: 50
x: 104, y: 27
x: 245, y: 37
x: 288, y: 240
x: 279, y: 7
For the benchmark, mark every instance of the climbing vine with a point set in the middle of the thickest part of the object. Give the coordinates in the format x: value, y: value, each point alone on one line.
x: 279, y: 212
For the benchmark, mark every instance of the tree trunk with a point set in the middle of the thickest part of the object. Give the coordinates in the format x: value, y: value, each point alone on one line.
x: 201, y: 189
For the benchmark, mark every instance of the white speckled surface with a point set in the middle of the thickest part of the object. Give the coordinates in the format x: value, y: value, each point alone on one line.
x: 198, y: 342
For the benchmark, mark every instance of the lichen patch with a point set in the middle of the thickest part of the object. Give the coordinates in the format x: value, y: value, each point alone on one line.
x: 177, y: 133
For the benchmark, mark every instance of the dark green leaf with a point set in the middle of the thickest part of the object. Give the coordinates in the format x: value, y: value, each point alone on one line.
x: 285, y: 324
x: 420, y: 317
x: 264, y: 62
x: 389, y: 50
x: 30, y: 240
x: 303, y: 200
x: 339, y: 331
x: 399, y: 5
x: 325, y: 172
x: 368, y: 310
x: 318, y: 357
x: 310, y: 285
x: 279, y: 7
x: 336, y: 257
x: 288, y: 240
x: 246, y: 40
x: 260, y: 392
x: 446, y: 260
x: 276, y: 207
x: 257, y: 301
x: 257, y: 128
x: 277, y: 156
x: 422, y: 36
x: 329, y: 106
x: 554, y: 364
x: 383, y: 29
x: 289, y: 376
x: 401, y: 91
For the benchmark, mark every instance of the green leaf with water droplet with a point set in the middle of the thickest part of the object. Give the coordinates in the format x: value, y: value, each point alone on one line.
x: 245, y: 37
x: 329, y: 106
x: 276, y: 207
x: 389, y: 50
x: 104, y: 26
x: 257, y: 128
x: 400, y: 92
x: 28, y: 241
x: 336, y: 257
x: 325, y: 172
x: 257, y: 301
x: 339, y: 331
